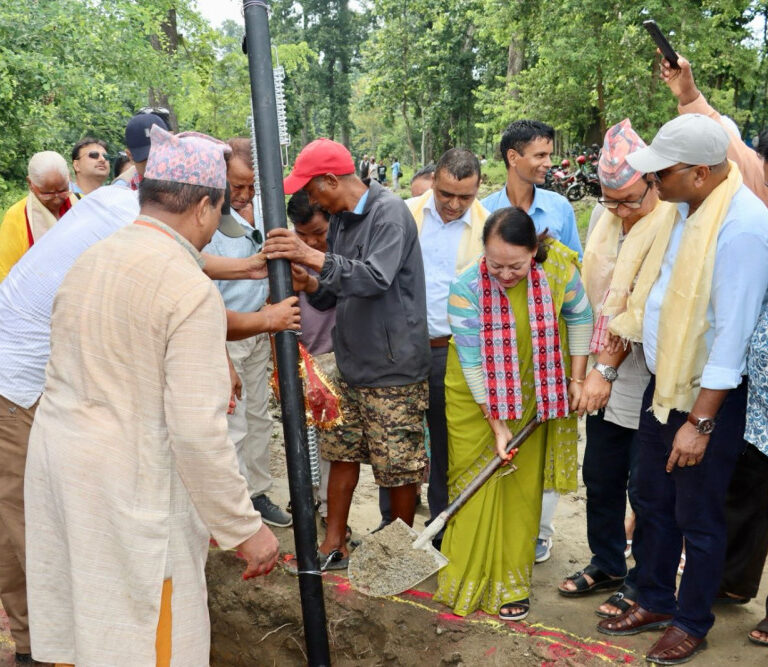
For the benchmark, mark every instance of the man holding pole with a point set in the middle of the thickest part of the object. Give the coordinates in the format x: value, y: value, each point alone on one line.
x: 373, y: 273
x: 129, y: 468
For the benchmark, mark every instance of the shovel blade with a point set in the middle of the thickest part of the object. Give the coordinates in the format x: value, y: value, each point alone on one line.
x: 387, y: 564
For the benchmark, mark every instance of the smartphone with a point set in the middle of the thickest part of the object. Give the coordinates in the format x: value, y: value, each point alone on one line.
x: 666, y: 48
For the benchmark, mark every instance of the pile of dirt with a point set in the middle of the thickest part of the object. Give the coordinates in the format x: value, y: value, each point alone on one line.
x: 386, y: 562
x: 259, y: 622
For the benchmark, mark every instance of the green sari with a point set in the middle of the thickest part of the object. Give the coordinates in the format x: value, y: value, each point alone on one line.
x: 491, y: 542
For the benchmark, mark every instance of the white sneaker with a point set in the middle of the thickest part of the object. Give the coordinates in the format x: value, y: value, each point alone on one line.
x: 543, y: 550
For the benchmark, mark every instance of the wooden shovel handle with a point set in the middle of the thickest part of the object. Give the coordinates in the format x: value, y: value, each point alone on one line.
x: 491, y: 467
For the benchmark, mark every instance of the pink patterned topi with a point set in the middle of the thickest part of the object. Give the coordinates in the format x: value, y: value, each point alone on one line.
x: 189, y: 157
x: 613, y: 169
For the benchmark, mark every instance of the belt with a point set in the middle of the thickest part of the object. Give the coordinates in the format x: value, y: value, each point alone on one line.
x: 441, y: 341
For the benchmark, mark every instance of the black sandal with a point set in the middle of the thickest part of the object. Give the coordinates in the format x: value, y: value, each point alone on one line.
x: 762, y: 626
x: 618, y: 600
x: 525, y: 605
x: 600, y: 581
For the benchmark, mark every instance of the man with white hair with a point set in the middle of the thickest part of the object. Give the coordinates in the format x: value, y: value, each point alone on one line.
x: 29, y: 218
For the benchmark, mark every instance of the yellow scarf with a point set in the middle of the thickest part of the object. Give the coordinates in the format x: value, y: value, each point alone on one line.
x: 471, y: 246
x: 40, y: 218
x: 681, y: 350
x: 608, y: 274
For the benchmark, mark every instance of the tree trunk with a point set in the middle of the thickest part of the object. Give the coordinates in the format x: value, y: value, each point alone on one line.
x: 601, y: 100
x: 515, y: 63
x: 167, y: 45
x: 408, y: 134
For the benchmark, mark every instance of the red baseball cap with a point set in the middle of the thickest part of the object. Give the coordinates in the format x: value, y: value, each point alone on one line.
x: 318, y: 157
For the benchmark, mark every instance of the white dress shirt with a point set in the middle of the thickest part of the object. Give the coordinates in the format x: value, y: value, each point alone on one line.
x: 26, y: 295
x: 440, y: 243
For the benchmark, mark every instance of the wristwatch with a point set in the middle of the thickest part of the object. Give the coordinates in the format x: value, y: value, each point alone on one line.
x: 704, y: 425
x: 609, y: 373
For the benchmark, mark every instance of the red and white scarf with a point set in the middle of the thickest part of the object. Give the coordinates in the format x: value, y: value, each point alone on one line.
x: 498, y: 348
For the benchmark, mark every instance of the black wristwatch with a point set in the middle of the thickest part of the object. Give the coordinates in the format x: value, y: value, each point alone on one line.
x: 704, y: 425
x: 609, y: 373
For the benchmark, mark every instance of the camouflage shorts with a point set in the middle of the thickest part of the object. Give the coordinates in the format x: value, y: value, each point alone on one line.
x: 383, y: 426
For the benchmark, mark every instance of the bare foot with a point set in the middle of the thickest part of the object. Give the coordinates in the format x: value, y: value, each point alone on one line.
x: 760, y: 636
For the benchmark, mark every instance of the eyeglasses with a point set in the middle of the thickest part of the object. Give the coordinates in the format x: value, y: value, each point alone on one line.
x: 47, y: 196
x: 615, y: 203
x: 94, y: 155
x: 658, y: 175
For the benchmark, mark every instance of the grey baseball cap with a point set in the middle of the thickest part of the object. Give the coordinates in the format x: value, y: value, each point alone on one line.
x: 228, y: 225
x: 691, y: 138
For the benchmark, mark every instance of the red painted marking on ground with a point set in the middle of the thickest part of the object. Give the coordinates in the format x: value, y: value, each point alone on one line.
x: 564, y: 646
x: 448, y: 616
x: 490, y: 651
x: 344, y: 587
x: 418, y: 594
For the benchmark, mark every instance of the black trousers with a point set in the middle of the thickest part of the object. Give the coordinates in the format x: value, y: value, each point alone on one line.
x: 746, y: 515
x: 609, y: 459
x: 688, y: 503
x: 437, y: 493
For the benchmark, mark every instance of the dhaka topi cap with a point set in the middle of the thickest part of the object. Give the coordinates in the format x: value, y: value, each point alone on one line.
x: 318, y: 157
x: 613, y: 170
x: 691, y: 138
x: 189, y: 157
x: 137, y: 134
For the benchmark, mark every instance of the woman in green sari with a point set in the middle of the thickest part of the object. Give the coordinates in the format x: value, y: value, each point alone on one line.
x: 522, y: 289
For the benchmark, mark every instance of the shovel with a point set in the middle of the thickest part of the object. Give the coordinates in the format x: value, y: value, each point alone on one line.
x: 397, y: 558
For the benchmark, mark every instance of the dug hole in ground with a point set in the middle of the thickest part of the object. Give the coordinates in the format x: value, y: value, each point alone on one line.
x: 258, y: 622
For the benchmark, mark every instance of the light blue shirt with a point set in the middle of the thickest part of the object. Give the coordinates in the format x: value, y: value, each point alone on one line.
x: 361, y: 203
x: 549, y: 210
x: 440, y: 243
x: 243, y: 296
x: 396, y: 171
x: 738, y: 293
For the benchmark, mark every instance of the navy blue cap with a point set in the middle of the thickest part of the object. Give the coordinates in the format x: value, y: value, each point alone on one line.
x: 137, y: 134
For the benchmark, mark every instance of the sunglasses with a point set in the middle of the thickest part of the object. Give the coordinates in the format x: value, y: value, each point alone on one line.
x: 257, y: 237
x: 94, y: 155
x: 629, y: 203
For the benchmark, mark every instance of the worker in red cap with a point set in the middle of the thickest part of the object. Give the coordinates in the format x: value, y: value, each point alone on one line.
x: 373, y: 274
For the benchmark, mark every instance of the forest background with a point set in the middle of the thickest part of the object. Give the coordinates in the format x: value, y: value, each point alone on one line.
x: 394, y: 78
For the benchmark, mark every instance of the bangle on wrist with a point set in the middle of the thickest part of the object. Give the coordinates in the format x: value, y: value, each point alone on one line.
x: 576, y: 380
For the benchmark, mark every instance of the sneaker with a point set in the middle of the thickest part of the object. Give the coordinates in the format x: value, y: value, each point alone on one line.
x: 543, y: 549
x: 271, y: 513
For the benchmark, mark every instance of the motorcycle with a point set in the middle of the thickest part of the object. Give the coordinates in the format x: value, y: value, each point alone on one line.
x: 585, y: 182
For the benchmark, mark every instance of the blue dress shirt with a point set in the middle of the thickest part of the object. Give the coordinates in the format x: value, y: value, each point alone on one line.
x: 549, y: 210
x: 738, y: 293
x: 243, y: 296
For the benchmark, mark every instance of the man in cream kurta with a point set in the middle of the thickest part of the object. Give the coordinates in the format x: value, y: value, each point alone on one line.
x: 129, y: 467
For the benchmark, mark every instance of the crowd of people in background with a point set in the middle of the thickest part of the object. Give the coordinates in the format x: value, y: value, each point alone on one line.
x: 135, y: 357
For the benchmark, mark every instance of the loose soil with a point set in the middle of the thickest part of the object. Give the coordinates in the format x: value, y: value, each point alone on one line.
x: 387, y: 564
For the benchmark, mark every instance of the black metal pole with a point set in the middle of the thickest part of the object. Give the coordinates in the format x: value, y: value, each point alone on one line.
x: 286, y: 345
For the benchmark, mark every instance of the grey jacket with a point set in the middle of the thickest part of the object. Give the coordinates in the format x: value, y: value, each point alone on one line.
x: 373, y: 274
